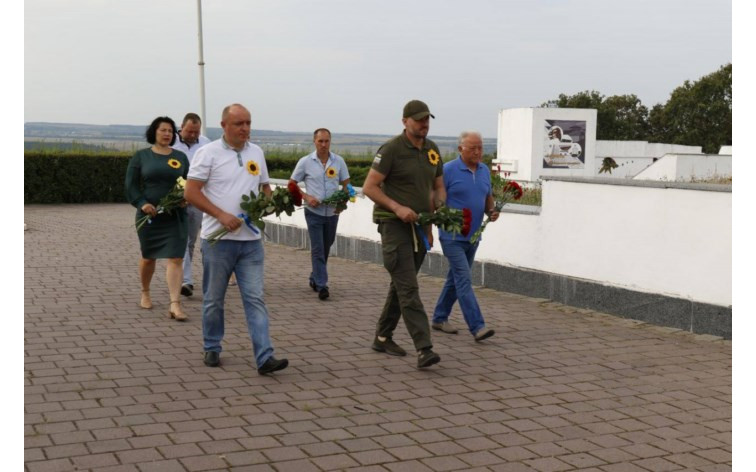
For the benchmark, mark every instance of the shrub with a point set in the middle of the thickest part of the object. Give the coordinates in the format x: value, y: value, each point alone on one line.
x: 74, y: 177
x: 54, y: 176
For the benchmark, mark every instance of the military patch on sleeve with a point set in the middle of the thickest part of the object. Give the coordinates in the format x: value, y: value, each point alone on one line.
x: 377, y: 159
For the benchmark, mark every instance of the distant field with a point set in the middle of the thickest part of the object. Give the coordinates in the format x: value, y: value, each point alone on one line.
x: 67, y: 136
x: 93, y: 145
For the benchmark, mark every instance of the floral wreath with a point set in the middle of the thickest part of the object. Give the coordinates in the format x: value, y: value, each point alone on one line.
x: 253, y: 168
x: 433, y: 157
x: 331, y: 172
x: 174, y: 163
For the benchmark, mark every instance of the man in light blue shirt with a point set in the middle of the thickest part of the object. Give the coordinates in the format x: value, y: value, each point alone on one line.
x: 322, y: 172
x: 188, y: 140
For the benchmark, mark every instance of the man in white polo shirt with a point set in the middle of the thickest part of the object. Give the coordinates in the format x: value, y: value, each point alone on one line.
x: 220, y: 174
x: 188, y: 140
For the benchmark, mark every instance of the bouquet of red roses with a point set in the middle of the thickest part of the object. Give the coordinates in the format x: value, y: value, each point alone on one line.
x: 451, y: 220
x: 503, y: 191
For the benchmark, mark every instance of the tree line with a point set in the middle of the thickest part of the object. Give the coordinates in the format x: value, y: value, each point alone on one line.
x: 697, y: 113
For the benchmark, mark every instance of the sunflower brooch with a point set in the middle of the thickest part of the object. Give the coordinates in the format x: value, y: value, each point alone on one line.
x: 174, y: 163
x: 433, y: 157
x: 331, y: 172
x: 253, y: 168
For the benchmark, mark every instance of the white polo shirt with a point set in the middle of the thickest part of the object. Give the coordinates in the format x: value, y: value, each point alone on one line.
x: 228, y: 175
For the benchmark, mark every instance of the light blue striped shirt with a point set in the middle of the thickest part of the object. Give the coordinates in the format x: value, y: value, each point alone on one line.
x: 321, y: 181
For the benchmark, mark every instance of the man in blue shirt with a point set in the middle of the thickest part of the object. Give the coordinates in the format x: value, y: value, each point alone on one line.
x: 468, y: 185
x: 323, y: 172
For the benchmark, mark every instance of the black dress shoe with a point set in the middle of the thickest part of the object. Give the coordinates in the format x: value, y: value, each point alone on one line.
x: 323, y: 293
x: 212, y: 358
x: 272, y: 365
x: 427, y: 358
x: 313, y: 286
x: 187, y: 290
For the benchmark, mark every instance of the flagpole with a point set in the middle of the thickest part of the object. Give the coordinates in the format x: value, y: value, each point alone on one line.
x: 201, y: 64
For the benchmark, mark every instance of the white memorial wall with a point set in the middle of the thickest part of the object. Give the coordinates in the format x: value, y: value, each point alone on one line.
x: 536, y: 142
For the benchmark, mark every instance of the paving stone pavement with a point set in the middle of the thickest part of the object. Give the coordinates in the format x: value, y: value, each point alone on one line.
x: 112, y: 387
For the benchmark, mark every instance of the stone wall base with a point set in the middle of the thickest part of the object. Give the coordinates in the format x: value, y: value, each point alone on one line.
x: 662, y: 310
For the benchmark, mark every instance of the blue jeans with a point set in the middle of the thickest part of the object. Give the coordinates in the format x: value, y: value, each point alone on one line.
x: 458, y: 286
x: 194, y: 216
x: 322, y: 230
x: 246, y: 259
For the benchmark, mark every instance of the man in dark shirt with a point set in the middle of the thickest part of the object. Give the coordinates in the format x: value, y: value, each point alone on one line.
x: 406, y: 179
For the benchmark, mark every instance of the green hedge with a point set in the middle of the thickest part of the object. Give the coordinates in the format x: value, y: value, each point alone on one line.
x: 74, y: 177
x: 89, y: 177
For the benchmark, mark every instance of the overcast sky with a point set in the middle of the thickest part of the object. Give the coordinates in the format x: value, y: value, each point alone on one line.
x: 351, y: 65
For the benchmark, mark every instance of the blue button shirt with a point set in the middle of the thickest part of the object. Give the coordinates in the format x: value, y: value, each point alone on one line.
x: 466, y: 189
x: 320, y: 181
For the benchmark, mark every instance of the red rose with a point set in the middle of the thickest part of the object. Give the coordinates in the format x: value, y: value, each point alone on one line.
x: 515, y: 189
x: 466, y: 221
x: 295, y: 192
x: 466, y: 216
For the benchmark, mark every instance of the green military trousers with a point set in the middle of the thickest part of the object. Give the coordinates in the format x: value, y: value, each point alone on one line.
x: 402, y: 263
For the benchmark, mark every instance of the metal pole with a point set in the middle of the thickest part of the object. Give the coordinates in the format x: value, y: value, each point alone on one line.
x: 201, y: 64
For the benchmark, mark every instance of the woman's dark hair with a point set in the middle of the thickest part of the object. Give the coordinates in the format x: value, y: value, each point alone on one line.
x: 152, y: 130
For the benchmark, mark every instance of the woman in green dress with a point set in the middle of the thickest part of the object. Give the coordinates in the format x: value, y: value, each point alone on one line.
x: 151, y: 174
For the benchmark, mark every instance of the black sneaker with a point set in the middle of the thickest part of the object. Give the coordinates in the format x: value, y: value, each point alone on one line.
x: 427, y: 358
x: 272, y: 365
x: 323, y: 293
x: 212, y: 358
x: 313, y: 286
x: 388, y: 346
x: 187, y: 290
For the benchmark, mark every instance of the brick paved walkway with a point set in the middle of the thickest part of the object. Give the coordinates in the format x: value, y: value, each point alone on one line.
x: 109, y: 386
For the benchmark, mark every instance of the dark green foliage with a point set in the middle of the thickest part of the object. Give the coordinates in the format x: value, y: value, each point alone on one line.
x: 52, y: 176
x: 74, y: 178
x: 282, y: 168
x: 698, y: 113
x: 607, y: 164
x: 357, y: 173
